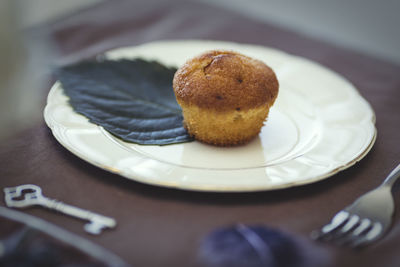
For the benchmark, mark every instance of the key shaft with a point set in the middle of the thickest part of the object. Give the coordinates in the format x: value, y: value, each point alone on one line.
x: 76, y: 212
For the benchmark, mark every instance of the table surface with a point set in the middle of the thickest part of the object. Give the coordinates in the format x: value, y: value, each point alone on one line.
x: 164, y: 227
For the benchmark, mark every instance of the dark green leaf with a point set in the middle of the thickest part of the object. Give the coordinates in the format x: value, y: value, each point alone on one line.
x: 132, y: 99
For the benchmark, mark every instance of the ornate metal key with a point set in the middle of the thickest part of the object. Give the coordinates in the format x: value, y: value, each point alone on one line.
x: 30, y: 195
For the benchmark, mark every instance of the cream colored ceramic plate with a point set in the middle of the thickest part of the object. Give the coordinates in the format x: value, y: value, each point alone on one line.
x: 318, y: 126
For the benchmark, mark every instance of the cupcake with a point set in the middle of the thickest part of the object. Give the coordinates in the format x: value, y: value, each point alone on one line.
x: 225, y: 96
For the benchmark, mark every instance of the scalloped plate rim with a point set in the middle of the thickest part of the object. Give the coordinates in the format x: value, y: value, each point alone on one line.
x: 204, y: 187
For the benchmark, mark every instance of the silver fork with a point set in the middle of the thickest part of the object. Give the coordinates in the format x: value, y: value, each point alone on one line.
x: 364, y: 221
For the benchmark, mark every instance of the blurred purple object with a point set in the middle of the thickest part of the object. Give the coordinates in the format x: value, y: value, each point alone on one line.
x: 258, y: 246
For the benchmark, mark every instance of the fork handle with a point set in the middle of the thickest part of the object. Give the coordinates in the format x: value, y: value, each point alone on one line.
x: 392, y: 177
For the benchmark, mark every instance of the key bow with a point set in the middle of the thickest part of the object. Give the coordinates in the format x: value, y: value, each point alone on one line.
x: 22, y: 196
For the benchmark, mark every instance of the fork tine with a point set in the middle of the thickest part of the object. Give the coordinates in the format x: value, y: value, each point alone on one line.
x: 364, y: 225
x: 373, y: 233
x: 341, y: 234
x: 356, y: 233
x: 349, y: 225
x: 337, y: 221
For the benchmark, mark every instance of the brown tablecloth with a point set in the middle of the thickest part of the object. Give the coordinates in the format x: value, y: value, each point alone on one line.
x: 163, y: 227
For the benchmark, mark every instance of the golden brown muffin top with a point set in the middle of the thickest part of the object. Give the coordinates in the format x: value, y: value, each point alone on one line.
x: 225, y: 80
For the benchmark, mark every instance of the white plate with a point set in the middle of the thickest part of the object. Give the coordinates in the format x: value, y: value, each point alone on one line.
x: 318, y: 126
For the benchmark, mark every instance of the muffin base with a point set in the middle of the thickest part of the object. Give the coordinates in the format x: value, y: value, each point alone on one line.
x: 227, y: 128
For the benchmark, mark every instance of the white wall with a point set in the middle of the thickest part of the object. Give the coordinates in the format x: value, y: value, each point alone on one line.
x: 370, y: 26
x: 34, y: 12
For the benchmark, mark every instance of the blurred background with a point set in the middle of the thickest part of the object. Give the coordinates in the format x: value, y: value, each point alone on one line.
x: 366, y: 26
